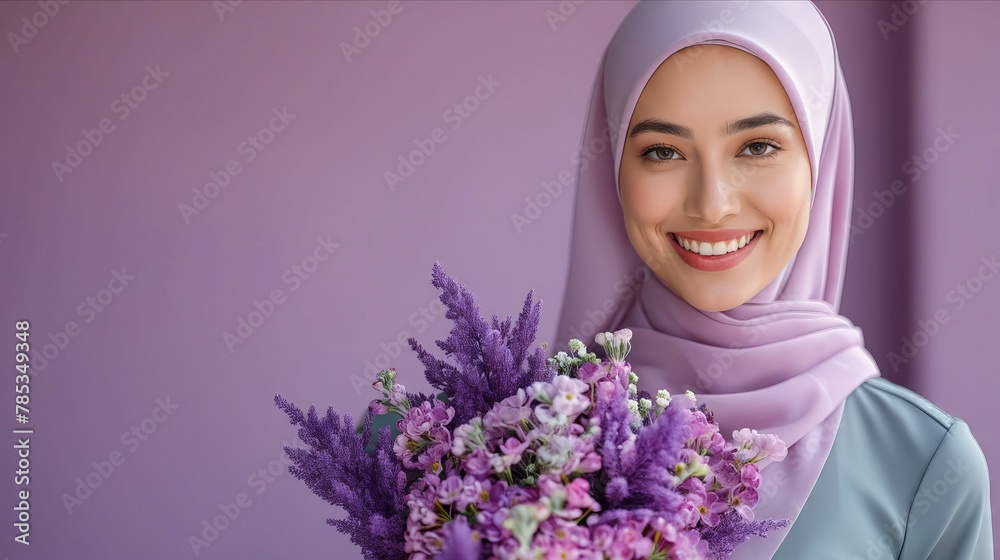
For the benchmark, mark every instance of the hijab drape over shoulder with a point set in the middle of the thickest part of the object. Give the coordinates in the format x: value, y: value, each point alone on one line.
x: 785, y: 361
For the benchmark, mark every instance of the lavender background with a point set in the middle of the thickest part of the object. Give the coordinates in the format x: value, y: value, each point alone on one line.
x: 222, y: 74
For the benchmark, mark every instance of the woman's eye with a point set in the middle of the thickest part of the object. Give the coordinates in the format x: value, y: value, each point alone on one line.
x: 758, y: 149
x: 661, y: 154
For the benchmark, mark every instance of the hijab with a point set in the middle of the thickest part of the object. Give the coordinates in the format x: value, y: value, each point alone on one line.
x: 785, y: 361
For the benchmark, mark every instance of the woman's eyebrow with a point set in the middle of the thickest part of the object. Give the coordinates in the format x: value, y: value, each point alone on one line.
x: 762, y: 119
x: 728, y: 129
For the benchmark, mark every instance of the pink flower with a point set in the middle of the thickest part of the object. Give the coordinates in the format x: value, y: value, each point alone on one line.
x: 578, y: 495
x: 707, y: 504
x: 620, y: 371
x: 512, y: 449
x: 725, y: 474
x: 590, y: 372
x: 687, y: 545
x: 568, y: 396
x: 591, y: 462
x: 602, y: 537
x: 752, y: 446
x: 744, y: 496
x: 377, y: 407
x: 750, y: 475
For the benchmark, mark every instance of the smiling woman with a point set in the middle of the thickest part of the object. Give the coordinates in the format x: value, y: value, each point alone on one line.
x: 707, y: 190
x: 733, y: 172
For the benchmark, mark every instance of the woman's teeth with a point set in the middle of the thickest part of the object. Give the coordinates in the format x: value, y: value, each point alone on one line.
x: 708, y: 248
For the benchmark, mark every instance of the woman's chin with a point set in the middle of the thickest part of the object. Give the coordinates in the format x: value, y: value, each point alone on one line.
x: 716, y: 305
x: 719, y: 299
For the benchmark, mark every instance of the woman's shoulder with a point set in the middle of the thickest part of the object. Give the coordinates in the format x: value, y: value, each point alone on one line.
x: 894, y: 421
x: 904, y: 479
x: 885, y: 396
x: 904, y: 416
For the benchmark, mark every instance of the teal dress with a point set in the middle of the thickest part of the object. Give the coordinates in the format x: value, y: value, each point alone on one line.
x: 903, y: 480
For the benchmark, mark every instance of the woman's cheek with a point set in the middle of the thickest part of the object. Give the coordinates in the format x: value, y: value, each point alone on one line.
x: 782, y: 197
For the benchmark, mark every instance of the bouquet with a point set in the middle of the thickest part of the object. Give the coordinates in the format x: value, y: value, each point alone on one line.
x: 523, y: 457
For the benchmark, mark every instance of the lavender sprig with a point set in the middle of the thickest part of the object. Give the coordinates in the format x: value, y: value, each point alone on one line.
x: 490, y: 356
x: 336, y: 468
x: 733, y: 531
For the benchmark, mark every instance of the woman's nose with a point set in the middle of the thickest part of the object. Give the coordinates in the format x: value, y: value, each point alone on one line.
x: 712, y: 197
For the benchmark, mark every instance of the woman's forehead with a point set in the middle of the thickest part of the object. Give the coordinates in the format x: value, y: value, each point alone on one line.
x: 714, y: 83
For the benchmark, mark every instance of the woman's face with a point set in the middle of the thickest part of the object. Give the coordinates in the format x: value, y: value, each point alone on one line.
x: 715, y: 177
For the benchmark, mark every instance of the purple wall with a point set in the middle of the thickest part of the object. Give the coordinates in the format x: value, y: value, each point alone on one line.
x: 307, y: 134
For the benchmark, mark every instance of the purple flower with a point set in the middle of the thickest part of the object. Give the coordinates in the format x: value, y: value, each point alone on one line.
x: 477, y: 463
x: 474, y: 491
x: 508, y: 413
x: 461, y: 543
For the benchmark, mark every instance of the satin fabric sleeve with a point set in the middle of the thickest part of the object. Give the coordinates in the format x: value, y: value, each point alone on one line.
x: 950, y: 516
x: 904, y: 480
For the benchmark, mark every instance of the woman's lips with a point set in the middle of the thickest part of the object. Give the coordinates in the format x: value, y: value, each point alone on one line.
x: 715, y: 250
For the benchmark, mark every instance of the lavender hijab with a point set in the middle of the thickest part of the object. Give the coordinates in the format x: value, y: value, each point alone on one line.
x: 785, y: 361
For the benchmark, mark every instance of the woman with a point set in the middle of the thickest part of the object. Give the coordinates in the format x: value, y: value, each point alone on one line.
x: 719, y: 170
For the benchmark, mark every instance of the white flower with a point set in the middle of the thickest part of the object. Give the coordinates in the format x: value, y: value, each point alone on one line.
x: 623, y: 336
x: 645, y: 405
x: 633, y: 407
x: 662, y: 398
